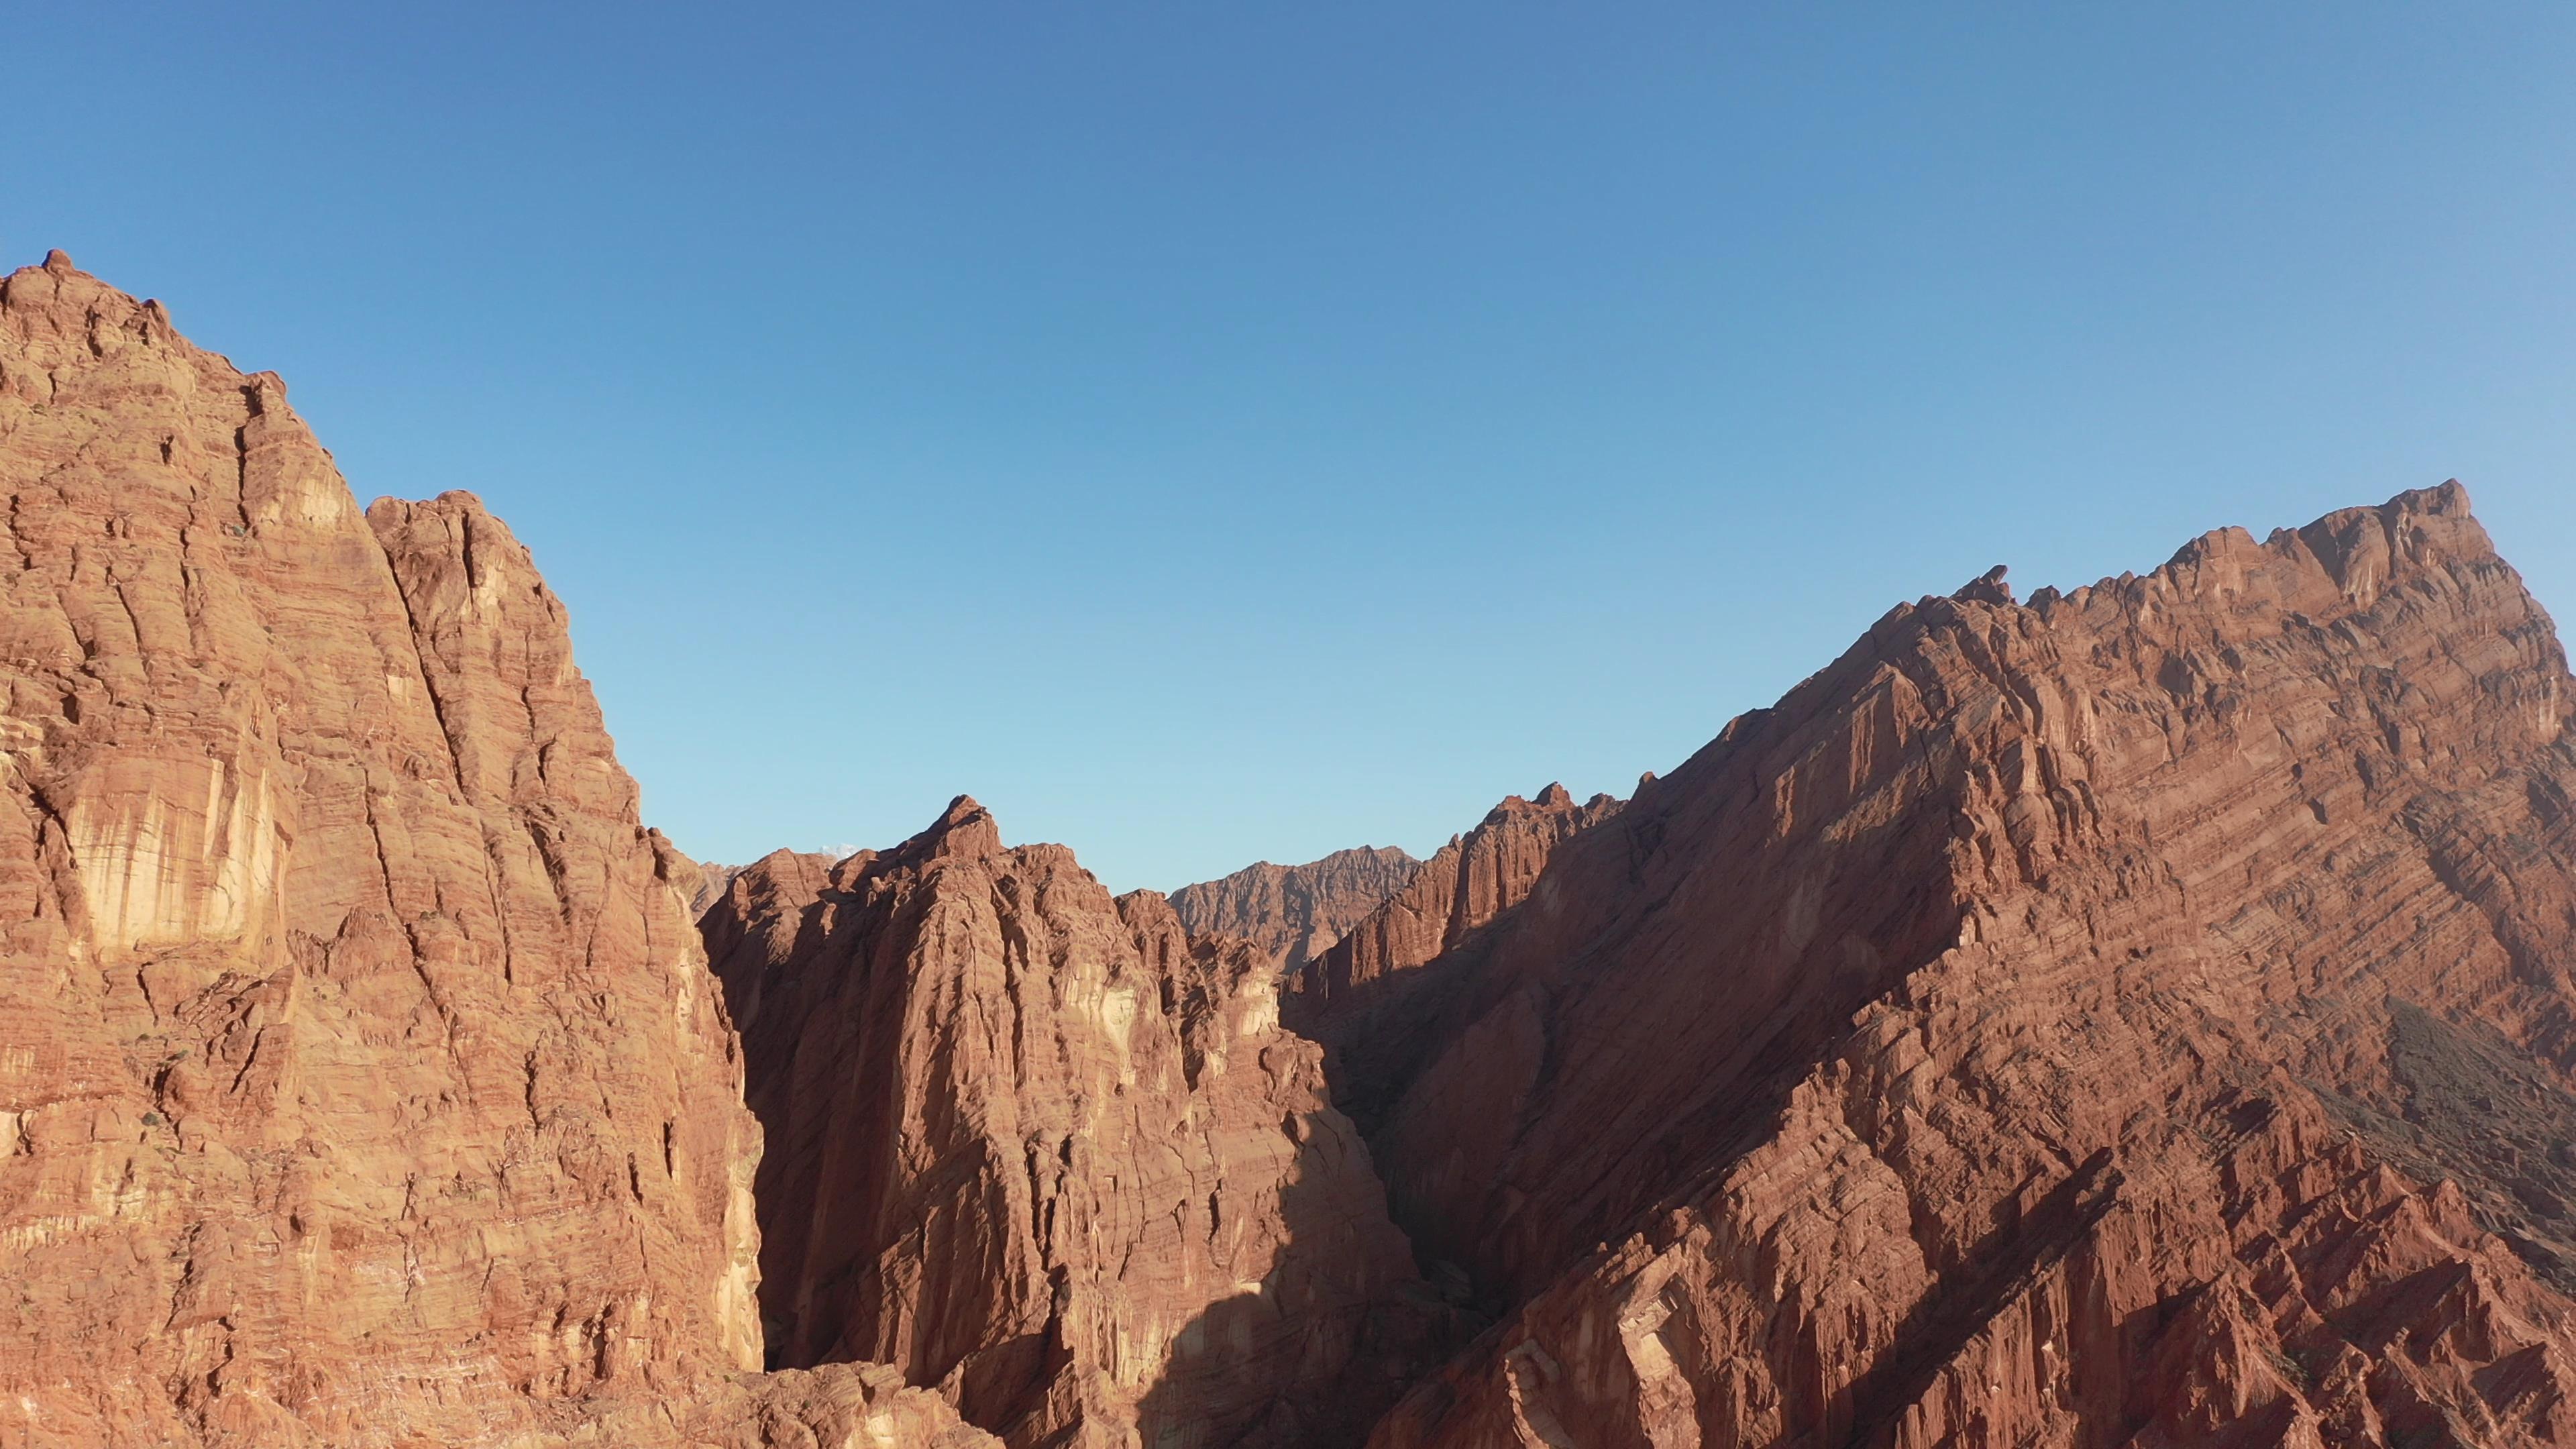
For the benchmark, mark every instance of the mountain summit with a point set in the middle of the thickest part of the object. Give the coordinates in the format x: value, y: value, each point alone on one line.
x: 2139, y: 1015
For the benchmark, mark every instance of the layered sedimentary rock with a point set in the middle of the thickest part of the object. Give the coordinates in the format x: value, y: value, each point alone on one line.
x: 837, y: 1406
x: 712, y: 880
x: 1049, y: 1153
x: 1470, y: 881
x: 2141, y: 1016
x: 361, y: 1081
x: 1369, y: 1001
x: 1293, y: 912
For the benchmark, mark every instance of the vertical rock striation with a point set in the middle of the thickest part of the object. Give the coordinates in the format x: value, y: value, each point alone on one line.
x: 1049, y: 1153
x: 361, y: 1081
x: 1370, y: 999
x: 2138, y: 1017
x: 1294, y: 912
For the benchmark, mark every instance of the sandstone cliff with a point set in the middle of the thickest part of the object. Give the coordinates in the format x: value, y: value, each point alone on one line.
x: 2138, y: 1017
x: 2141, y: 1016
x: 1471, y: 880
x: 1293, y: 912
x: 361, y: 1081
x: 711, y: 882
x: 1049, y: 1153
x: 1370, y: 1001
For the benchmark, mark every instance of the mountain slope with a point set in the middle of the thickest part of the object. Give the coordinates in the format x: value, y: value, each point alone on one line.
x: 1049, y: 1153
x: 1388, y: 992
x: 1293, y: 912
x: 2006, y: 1038
x: 361, y: 1081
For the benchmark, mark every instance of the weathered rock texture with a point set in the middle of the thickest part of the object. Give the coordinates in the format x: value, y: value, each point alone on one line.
x: 361, y: 1081
x: 1471, y: 880
x: 1368, y: 998
x: 2137, y: 1017
x: 2141, y: 1017
x: 1047, y: 1152
x: 712, y: 881
x: 1293, y: 912
x: 837, y: 1406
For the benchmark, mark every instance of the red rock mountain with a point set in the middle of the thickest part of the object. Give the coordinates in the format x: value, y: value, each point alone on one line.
x: 1294, y: 912
x: 1359, y: 999
x: 1470, y: 881
x: 2140, y: 1016
x: 1051, y: 1154
x: 361, y: 1080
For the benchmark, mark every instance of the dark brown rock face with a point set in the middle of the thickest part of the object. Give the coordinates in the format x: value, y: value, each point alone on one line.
x: 1047, y: 1152
x: 1293, y: 912
x: 2137, y: 1017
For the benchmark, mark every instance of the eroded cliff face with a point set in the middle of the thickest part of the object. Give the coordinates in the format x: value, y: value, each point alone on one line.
x: 1470, y: 881
x: 2141, y: 1016
x: 1049, y: 1153
x: 1398, y: 986
x: 2050, y: 1025
x: 361, y: 1082
x: 1294, y: 912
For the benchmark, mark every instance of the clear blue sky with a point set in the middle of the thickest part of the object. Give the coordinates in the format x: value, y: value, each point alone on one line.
x: 1210, y: 432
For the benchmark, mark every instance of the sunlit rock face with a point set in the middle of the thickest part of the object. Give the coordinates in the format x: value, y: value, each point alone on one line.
x: 2138, y: 1016
x: 1471, y: 880
x: 360, y: 1078
x: 1294, y: 913
x: 1046, y: 1151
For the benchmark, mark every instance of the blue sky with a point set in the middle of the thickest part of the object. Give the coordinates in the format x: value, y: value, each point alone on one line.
x: 1208, y: 433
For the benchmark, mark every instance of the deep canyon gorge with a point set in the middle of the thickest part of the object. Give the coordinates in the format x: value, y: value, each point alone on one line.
x: 2134, y: 1015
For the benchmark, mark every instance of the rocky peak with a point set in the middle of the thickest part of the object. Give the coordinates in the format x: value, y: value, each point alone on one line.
x: 1053, y: 1155
x: 1292, y: 913
x: 1988, y: 588
x: 964, y: 831
x: 1470, y: 881
x: 361, y: 1069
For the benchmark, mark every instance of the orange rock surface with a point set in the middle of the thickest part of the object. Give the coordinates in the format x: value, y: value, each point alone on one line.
x: 1048, y: 1153
x: 1392, y: 991
x: 361, y: 1081
x: 1295, y: 912
x: 2137, y: 1017
x: 1471, y: 880
x: 2140, y: 1016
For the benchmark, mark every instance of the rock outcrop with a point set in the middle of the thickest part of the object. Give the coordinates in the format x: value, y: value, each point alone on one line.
x: 361, y: 1080
x: 837, y: 1406
x: 1369, y: 1000
x: 1051, y: 1154
x: 1293, y: 912
x: 712, y: 882
x: 1470, y: 881
x: 2140, y: 1016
